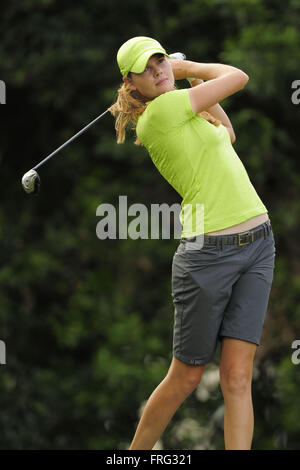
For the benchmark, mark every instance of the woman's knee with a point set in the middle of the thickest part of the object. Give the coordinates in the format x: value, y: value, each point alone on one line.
x: 236, y: 380
x: 236, y: 366
x: 187, y: 376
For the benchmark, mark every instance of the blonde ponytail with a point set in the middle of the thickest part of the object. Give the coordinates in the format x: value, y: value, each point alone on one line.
x: 210, y: 118
x: 126, y: 111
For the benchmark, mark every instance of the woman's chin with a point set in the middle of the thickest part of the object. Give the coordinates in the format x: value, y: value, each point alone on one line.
x: 164, y: 88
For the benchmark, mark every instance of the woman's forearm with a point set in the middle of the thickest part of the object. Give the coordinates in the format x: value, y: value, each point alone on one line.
x: 217, y: 111
x: 186, y: 68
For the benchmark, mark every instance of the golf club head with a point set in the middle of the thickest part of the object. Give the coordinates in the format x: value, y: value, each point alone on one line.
x: 31, y: 182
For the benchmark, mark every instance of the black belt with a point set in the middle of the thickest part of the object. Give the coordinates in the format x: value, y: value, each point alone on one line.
x: 243, y: 238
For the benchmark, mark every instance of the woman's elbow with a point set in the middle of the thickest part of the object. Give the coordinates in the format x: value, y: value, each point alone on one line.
x: 244, y: 78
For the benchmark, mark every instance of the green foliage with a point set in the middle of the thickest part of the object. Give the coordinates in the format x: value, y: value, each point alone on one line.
x: 87, y: 322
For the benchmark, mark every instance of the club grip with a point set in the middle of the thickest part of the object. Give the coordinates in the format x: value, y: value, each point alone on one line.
x: 178, y: 56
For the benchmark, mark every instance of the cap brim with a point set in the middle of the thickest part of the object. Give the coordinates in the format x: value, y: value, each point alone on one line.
x: 140, y: 64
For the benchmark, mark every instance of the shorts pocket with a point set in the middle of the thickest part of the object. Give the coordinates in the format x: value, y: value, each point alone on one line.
x: 208, y: 252
x: 180, y: 249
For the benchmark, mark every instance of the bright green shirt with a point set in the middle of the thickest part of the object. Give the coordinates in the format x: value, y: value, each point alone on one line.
x: 198, y: 160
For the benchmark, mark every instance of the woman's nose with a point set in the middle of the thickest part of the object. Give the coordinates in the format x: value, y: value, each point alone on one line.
x: 157, y: 71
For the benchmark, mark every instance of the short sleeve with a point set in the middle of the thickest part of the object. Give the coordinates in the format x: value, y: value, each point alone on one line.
x: 172, y: 109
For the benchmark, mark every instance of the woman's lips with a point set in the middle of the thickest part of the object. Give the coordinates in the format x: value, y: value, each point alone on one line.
x: 161, y: 82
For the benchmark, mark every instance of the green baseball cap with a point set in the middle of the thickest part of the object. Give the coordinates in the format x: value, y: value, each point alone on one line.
x: 134, y: 54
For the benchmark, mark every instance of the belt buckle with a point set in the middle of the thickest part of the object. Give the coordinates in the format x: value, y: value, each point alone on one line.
x: 243, y: 235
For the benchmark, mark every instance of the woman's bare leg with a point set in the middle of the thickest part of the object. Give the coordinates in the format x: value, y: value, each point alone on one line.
x: 179, y: 382
x: 236, y: 368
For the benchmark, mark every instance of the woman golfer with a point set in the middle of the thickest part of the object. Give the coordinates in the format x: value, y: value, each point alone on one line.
x: 222, y: 270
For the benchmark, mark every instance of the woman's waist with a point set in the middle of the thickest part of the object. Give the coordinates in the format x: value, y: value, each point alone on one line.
x: 243, y: 226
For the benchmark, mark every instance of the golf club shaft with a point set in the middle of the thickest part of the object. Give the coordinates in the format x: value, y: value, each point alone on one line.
x: 69, y: 141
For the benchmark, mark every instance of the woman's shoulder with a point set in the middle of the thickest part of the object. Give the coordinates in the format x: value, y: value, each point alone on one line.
x: 168, y: 111
x: 174, y: 101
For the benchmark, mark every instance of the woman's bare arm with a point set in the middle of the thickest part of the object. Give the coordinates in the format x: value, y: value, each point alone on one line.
x: 222, y: 81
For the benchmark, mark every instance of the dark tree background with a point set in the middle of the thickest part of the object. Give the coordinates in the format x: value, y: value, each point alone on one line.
x: 87, y: 323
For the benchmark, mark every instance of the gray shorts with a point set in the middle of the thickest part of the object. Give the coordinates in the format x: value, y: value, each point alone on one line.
x: 221, y: 290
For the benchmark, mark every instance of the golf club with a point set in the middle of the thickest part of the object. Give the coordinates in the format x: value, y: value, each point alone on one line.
x: 31, y: 181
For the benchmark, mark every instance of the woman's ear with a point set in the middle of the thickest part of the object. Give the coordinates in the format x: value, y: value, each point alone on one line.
x: 129, y: 83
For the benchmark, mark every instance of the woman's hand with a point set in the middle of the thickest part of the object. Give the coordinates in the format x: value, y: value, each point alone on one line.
x: 180, y: 72
x: 180, y: 68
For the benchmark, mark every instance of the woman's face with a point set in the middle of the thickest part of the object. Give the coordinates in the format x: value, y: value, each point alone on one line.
x: 156, y: 79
